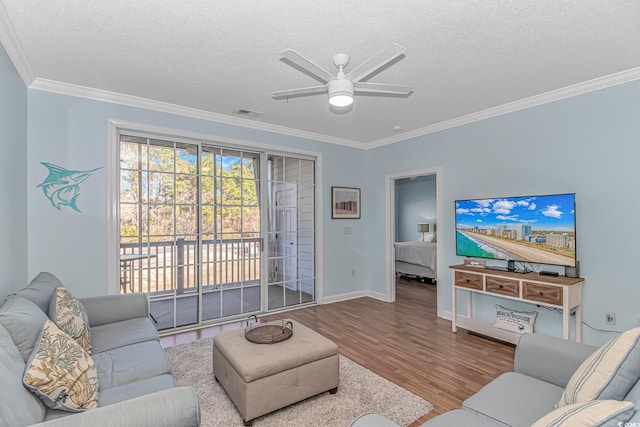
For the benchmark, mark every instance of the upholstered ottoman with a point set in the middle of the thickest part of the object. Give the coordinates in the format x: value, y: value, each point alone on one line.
x: 261, y: 378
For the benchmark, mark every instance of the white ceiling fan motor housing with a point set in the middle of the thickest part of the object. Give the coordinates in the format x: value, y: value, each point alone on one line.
x: 340, y: 92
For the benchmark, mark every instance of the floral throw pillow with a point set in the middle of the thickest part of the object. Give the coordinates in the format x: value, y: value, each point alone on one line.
x: 70, y: 316
x: 61, y: 372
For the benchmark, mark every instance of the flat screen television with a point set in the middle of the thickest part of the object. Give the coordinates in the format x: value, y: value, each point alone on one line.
x: 535, y: 229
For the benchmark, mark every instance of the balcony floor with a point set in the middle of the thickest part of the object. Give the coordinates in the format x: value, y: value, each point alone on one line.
x: 186, y: 305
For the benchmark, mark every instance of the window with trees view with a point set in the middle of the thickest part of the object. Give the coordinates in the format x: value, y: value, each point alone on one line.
x: 190, y: 229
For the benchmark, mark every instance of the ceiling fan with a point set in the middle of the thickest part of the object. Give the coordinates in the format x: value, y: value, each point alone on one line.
x: 342, y: 87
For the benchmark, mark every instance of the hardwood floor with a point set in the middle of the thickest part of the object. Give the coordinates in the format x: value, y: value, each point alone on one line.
x: 403, y: 342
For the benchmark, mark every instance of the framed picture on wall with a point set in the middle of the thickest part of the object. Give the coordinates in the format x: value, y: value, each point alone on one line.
x: 345, y: 203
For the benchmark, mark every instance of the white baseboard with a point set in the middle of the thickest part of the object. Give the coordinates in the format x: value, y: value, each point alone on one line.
x: 446, y: 314
x: 377, y: 295
x: 353, y: 295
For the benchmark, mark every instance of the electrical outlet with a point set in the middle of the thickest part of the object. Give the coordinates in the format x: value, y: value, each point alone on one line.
x: 610, y: 318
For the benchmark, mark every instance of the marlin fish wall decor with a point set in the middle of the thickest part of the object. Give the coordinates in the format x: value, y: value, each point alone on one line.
x: 62, y: 186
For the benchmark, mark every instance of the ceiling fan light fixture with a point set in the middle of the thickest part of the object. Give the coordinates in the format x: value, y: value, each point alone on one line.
x: 341, y: 100
x: 340, y: 87
x: 340, y: 92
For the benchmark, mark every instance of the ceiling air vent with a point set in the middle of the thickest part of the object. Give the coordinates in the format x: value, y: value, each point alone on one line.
x: 247, y: 113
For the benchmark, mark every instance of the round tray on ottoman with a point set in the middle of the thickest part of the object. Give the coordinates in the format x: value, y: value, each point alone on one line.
x: 269, y: 332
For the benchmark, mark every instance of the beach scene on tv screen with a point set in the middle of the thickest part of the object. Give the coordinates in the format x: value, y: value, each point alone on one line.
x: 538, y: 229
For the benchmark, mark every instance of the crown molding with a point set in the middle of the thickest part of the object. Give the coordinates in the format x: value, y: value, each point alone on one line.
x: 521, y: 104
x: 14, y: 49
x: 164, y: 107
x: 149, y: 104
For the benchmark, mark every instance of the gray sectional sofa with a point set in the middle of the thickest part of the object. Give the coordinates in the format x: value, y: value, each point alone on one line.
x: 543, y: 366
x: 135, y: 384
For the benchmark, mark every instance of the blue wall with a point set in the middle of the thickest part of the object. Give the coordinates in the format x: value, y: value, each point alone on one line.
x: 13, y: 178
x: 415, y: 203
x: 73, y: 132
x: 588, y: 144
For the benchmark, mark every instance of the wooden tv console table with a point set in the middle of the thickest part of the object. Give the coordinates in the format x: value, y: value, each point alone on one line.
x: 560, y: 292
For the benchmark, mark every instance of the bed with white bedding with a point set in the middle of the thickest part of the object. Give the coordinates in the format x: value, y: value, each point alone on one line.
x: 416, y: 259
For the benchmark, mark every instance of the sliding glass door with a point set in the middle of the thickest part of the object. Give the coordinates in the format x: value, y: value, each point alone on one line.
x: 291, y: 236
x: 191, y: 218
x: 230, y: 232
x: 160, y: 227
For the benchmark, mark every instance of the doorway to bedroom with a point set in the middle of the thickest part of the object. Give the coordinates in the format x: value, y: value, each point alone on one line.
x: 414, y: 209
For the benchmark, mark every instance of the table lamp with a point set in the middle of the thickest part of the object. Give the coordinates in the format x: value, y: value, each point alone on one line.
x: 423, y: 227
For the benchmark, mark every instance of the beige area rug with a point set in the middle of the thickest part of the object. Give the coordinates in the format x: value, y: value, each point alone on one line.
x: 359, y: 391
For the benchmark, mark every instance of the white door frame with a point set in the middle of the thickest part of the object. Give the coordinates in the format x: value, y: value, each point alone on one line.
x: 390, y: 232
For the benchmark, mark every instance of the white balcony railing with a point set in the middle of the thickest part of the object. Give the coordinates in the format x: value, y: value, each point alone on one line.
x: 167, y: 267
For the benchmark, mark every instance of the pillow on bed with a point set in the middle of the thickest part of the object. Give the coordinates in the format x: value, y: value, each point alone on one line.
x: 428, y: 237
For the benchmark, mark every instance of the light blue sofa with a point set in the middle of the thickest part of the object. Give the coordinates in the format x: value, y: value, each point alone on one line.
x: 135, y: 384
x: 543, y: 366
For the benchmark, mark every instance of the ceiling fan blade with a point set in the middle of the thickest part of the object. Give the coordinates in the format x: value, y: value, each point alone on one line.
x: 312, y: 69
x: 299, y: 92
x: 366, y: 87
x: 376, y: 62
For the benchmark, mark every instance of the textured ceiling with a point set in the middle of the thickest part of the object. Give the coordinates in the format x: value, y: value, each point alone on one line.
x: 462, y: 57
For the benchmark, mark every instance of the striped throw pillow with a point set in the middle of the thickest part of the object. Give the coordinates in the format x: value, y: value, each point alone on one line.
x: 609, y: 373
x: 596, y: 413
